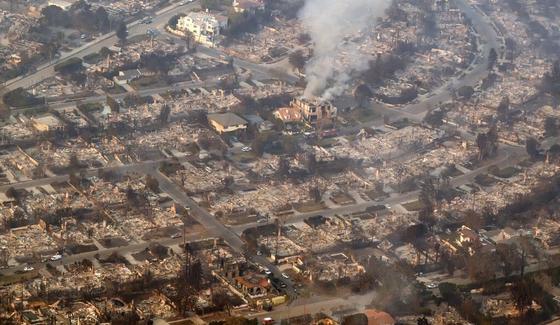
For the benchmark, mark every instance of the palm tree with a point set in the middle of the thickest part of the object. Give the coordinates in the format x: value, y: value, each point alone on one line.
x: 190, y: 42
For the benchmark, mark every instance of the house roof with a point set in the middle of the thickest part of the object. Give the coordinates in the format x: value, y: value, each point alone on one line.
x: 377, y: 317
x: 227, y: 119
x: 254, y: 119
x: 253, y: 280
x: 49, y: 120
x: 501, y: 234
x: 468, y: 233
x: 248, y: 4
x: 288, y: 114
x: 128, y: 75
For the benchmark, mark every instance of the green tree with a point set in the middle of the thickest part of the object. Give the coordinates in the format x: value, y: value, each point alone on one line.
x: 523, y: 293
x: 473, y: 220
x: 315, y: 194
x: 482, y: 144
x: 550, y: 127
x: 74, y: 162
x: 554, y: 153
x: 283, y: 167
x: 297, y: 60
x: 105, y: 52
x: 551, y: 80
x: 362, y: 94
x: 435, y: 117
x: 113, y: 104
x: 190, y: 41
x: 102, y: 19
x: 152, y: 184
x: 356, y: 319
x: 492, y: 58
x: 50, y: 49
x: 503, y: 109
x: 509, y: 257
x: 173, y: 21
x: 70, y: 66
x: 465, y: 92
x: 55, y: 16
x: 311, y: 163
x: 532, y: 147
x: 157, y: 62
x: 13, y: 193
x: 481, y: 266
x: 211, y: 4
x: 164, y: 114
x: 122, y: 32
x: 492, y: 136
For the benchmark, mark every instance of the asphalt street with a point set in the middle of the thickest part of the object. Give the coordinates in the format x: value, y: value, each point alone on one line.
x: 107, y: 40
x: 476, y: 72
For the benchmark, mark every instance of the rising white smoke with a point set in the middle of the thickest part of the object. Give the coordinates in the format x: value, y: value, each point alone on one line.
x: 332, y: 25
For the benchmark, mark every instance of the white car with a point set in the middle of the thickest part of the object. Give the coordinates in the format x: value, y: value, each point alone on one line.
x: 56, y: 257
x: 431, y: 285
x: 267, y: 271
x: 246, y: 149
x: 28, y: 268
x: 284, y: 275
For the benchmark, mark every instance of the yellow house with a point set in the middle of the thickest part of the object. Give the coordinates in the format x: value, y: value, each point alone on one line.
x: 227, y: 122
x: 47, y: 123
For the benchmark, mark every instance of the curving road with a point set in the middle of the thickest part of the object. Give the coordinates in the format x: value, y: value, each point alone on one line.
x: 107, y: 40
x: 476, y: 72
x: 506, y: 155
x: 478, y: 69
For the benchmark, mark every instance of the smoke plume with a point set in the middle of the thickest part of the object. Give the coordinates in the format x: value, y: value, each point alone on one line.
x: 333, y: 26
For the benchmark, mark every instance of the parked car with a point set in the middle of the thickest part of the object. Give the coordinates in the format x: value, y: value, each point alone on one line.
x: 431, y: 285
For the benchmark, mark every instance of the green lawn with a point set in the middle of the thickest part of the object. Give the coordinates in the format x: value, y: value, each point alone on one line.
x: 244, y: 157
x: 342, y: 198
x: 310, y: 206
x: 137, y: 38
x: 92, y: 58
x: 148, y: 81
x: 376, y: 194
x: 451, y: 171
x: 485, y: 180
x: 506, y: 172
x: 360, y: 115
x: 413, y: 206
x: 17, y: 277
x: 114, y: 90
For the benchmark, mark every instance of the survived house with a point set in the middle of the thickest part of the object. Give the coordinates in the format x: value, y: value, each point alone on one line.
x: 253, y: 284
x: 316, y: 112
x: 203, y: 26
x: 250, y: 6
x: 288, y: 115
x: 227, y: 122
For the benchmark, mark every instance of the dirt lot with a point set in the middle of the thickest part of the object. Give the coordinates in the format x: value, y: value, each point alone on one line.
x: 304, y: 207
